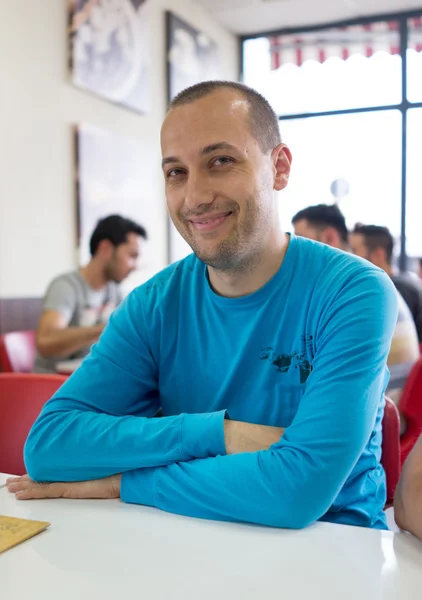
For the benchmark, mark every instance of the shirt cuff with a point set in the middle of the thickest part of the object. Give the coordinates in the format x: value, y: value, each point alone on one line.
x: 203, y: 435
x: 138, y: 486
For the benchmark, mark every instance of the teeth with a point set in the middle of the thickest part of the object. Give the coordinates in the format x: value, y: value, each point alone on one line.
x: 209, y: 220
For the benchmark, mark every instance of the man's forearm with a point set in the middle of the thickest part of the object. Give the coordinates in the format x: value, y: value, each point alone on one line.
x: 70, y: 444
x: 112, y: 444
x: 408, y: 499
x: 247, y: 437
x: 64, y: 342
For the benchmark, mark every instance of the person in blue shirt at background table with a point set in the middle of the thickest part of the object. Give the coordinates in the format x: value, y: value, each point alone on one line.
x: 266, y: 353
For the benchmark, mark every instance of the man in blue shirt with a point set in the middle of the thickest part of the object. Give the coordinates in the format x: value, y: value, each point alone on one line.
x: 266, y: 353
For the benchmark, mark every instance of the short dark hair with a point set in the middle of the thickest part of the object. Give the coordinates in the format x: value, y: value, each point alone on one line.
x: 263, y: 121
x: 376, y: 237
x: 115, y: 229
x: 322, y: 216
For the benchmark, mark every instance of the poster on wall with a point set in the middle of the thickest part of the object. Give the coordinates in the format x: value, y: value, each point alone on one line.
x: 192, y: 56
x: 108, y: 49
x: 113, y: 177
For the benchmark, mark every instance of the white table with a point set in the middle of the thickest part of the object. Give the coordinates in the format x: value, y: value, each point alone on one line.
x: 106, y: 549
x: 67, y: 367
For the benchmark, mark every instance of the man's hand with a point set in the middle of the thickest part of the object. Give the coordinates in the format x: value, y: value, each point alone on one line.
x: 247, y: 437
x: 26, y: 489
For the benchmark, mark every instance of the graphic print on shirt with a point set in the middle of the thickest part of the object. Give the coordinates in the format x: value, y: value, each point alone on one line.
x: 296, y: 360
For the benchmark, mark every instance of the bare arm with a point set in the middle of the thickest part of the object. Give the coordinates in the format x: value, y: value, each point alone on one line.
x: 408, y: 498
x: 55, y: 338
x: 247, y: 437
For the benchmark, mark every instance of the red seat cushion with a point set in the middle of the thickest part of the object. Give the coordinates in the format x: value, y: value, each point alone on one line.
x: 17, y: 352
x: 22, y: 396
x: 391, y: 448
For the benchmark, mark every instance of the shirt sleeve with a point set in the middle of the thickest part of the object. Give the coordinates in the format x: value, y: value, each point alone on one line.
x: 296, y: 481
x: 97, y: 423
x: 61, y: 297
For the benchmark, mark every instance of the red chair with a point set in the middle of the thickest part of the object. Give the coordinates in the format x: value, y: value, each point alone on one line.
x: 22, y: 396
x: 411, y: 409
x: 17, y: 352
x: 390, y: 457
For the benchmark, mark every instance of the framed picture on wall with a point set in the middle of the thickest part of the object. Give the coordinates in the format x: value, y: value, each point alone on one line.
x: 112, y: 177
x: 108, y: 49
x: 192, y: 56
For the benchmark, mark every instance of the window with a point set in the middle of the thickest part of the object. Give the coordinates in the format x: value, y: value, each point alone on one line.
x: 342, y: 100
x: 332, y: 69
x: 414, y: 183
x: 354, y: 148
x: 414, y: 60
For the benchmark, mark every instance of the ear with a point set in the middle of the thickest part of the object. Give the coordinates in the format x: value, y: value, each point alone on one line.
x: 282, y: 160
x: 378, y: 256
x: 105, y: 249
x: 331, y: 237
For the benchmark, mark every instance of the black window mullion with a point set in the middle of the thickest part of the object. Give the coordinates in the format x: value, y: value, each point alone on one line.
x: 404, y: 34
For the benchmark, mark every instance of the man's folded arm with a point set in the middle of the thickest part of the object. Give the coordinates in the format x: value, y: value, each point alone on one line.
x: 99, y: 422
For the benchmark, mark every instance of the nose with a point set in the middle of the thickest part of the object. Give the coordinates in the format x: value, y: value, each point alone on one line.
x: 198, y: 191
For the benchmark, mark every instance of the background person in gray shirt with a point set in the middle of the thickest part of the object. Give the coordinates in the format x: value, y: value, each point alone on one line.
x: 77, y: 305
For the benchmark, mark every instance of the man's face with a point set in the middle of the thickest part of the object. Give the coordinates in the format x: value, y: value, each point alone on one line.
x: 307, y: 230
x: 219, y: 184
x: 124, y: 258
x: 358, y: 246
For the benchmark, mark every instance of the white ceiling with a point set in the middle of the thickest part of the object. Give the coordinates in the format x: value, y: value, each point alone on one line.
x: 253, y: 16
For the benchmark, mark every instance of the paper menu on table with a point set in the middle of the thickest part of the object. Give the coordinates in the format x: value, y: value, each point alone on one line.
x: 13, y: 531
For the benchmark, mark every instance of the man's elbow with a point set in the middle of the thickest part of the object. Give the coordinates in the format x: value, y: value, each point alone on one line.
x: 408, y: 507
x: 300, y: 516
x: 305, y: 517
x: 34, y: 459
x: 399, y: 511
x: 38, y: 457
x: 296, y: 522
x: 44, y: 347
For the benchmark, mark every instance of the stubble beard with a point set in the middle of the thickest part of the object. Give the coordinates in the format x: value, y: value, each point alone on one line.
x: 238, y: 251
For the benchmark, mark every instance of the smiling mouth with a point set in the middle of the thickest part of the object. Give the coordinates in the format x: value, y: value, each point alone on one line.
x: 211, y: 222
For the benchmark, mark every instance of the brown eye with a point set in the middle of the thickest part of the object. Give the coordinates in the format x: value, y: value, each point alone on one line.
x: 223, y: 160
x: 172, y: 173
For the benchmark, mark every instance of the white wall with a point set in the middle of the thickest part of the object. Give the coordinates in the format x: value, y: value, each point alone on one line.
x: 38, y: 107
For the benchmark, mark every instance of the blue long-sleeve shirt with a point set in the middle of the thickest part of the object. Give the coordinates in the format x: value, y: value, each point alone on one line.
x: 306, y: 352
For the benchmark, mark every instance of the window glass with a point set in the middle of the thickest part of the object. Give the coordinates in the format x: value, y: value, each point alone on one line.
x: 332, y: 69
x: 351, y: 159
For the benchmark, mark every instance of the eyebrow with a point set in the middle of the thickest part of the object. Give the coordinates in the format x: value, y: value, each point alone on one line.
x: 217, y: 146
x: 207, y: 150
